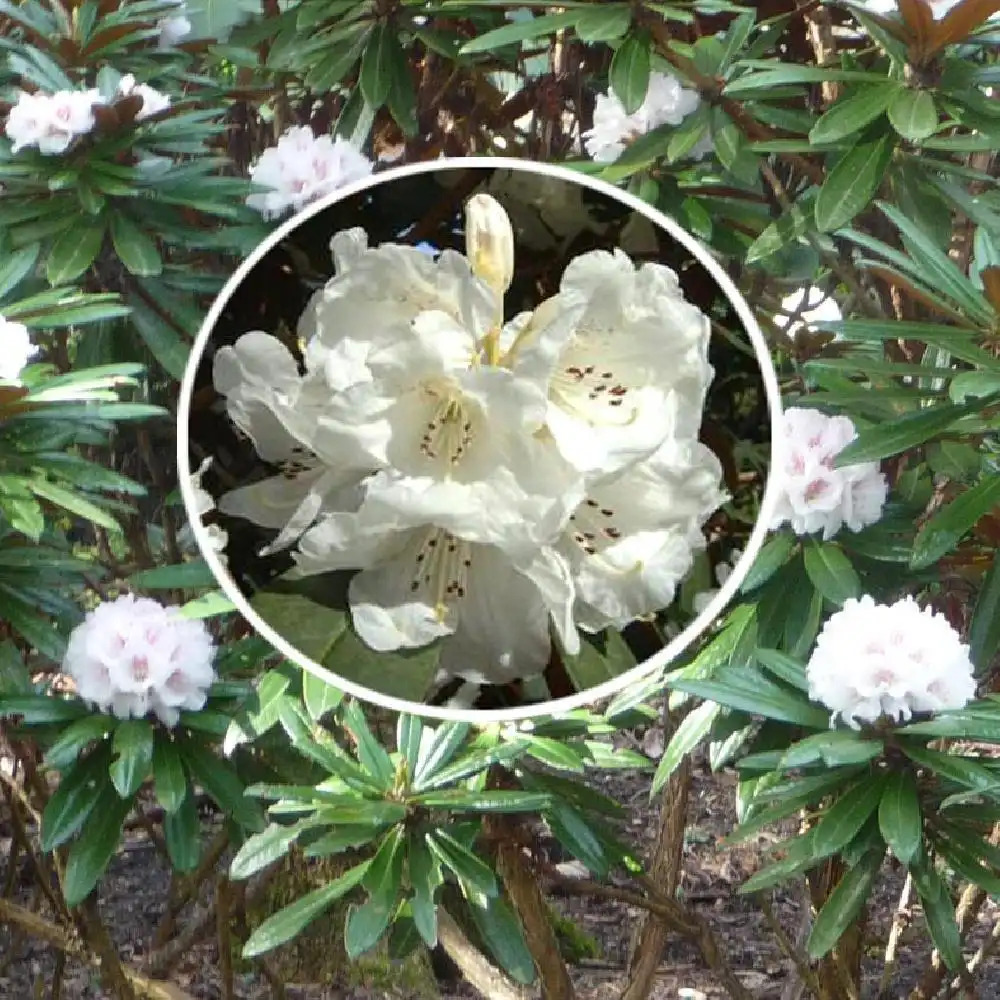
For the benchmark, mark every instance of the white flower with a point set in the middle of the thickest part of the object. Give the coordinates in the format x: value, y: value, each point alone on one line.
x: 16, y: 349
x: 50, y: 122
x: 153, y: 102
x: 633, y: 539
x: 667, y: 102
x: 873, y: 660
x: 815, y: 496
x: 205, y: 505
x: 132, y: 656
x: 627, y: 365
x: 301, y: 168
x: 806, y: 307
x: 419, y: 584
x: 491, y: 483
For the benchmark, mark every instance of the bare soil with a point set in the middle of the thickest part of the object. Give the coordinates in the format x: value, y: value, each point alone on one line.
x: 134, y: 892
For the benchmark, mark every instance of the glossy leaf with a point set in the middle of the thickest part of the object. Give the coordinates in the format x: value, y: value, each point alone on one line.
x: 629, y: 73
x: 899, y: 816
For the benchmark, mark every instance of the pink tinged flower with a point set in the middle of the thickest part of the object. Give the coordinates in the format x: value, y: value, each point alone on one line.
x: 50, y: 122
x: 302, y: 167
x: 875, y: 660
x: 132, y: 657
x: 815, y: 495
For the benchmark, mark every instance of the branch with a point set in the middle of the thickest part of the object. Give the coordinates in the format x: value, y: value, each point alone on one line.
x: 485, y: 978
x: 899, y: 921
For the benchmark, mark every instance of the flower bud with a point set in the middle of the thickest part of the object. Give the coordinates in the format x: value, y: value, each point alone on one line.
x: 489, y: 242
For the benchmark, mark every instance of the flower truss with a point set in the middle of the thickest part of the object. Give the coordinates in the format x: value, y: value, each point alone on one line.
x: 873, y: 660
x: 815, y: 496
x: 301, y: 168
x: 667, y: 102
x: 51, y: 122
x: 17, y: 351
x: 132, y: 656
x: 491, y: 482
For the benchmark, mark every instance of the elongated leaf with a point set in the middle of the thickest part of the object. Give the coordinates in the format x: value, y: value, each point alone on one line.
x: 182, y: 833
x: 288, y: 922
x: 133, y: 749
x: 629, y: 74
x: 913, y: 114
x: 169, y: 778
x: 380, y: 56
x: 75, y: 798
x: 372, y: 755
x: 842, y: 822
x: 851, y: 114
x: 945, y: 529
x: 844, y: 904
x: 319, y: 696
x: 425, y: 877
x: 501, y: 931
x: 135, y: 249
x: 263, y: 849
x: 984, y: 632
x: 438, y: 750
x: 852, y: 183
x: 831, y: 571
x: 74, y: 503
x: 899, y: 816
x: 519, y: 31
x: 939, y: 912
x: 693, y: 728
x: 604, y: 24
x: 73, y: 252
x: 90, y: 854
x: 75, y: 738
x: 466, y: 866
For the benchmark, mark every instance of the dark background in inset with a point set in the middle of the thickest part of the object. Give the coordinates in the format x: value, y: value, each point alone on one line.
x: 276, y: 291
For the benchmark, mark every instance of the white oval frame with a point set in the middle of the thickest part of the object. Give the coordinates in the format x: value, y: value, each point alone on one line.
x: 550, y: 709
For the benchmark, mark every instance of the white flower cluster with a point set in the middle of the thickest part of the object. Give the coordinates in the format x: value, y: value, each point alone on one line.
x: 16, y: 349
x: 667, y: 102
x: 816, y: 496
x: 491, y: 481
x: 132, y: 656
x: 51, y: 122
x: 873, y: 660
x: 301, y: 168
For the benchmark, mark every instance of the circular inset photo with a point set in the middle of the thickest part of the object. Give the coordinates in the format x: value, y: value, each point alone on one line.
x: 479, y: 438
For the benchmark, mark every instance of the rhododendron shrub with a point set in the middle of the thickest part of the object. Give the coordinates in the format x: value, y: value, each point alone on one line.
x: 838, y: 160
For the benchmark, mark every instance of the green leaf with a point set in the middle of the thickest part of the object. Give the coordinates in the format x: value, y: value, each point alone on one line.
x: 307, y: 613
x: 181, y: 576
x: 502, y: 934
x: 15, y: 678
x: 844, y: 904
x: 373, y: 757
x: 843, y: 821
x: 792, y: 73
x: 263, y: 849
x: 16, y: 266
x: 984, y: 631
x: 899, y: 816
x: 554, y: 753
x: 939, y: 912
x: 913, y: 114
x: 73, y: 252
x: 962, y: 770
x: 91, y: 852
x: 409, y: 736
x: 74, y: 503
x: 219, y: 779
x: 519, y: 31
x: 182, y: 833
x: 288, y: 922
x: 74, y: 800
x: 161, y: 337
x: 784, y: 667
x: 837, y: 748
x: 853, y: 113
x: 380, y: 55
x: 693, y: 728
x: 602, y: 657
x: 799, y: 857
x: 629, y: 73
x: 319, y: 696
x: 946, y: 528
x: 75, y: 738
x: 459, y: 800
x: 42, y: 709
x: 367, y: 922
x: 169, y: 778
x: 750, y: 691
x: 467, y: 867
x: 437, y: 750
x: 853, y: 181
x: 772, y: 556
x: 133, y: 749
x: 831, y: 571
x: 573, y: 831
x: 901, y: 434
x: 135, y: 249
x: 604, y: 24
x: 425, y: 877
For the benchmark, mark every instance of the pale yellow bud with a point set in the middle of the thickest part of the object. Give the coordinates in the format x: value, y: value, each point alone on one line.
x: 489, y: 242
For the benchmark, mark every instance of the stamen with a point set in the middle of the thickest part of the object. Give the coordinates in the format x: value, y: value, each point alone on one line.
x: 442, y: 569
